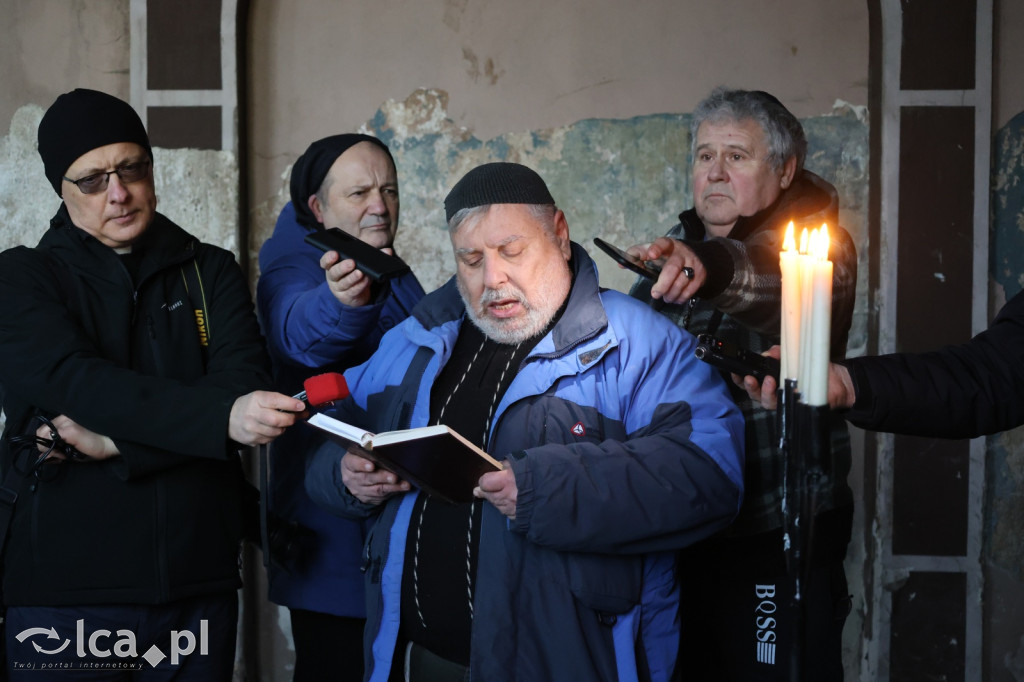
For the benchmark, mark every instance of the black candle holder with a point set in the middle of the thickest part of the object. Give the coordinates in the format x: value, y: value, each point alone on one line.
x: 805, y: 449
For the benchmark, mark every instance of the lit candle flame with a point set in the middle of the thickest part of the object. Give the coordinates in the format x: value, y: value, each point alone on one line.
x: 789, y: 242
x: 823, y: 242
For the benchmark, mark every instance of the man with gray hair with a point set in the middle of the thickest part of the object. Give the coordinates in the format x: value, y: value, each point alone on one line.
x: 619, y: 448
x: 721, y: 276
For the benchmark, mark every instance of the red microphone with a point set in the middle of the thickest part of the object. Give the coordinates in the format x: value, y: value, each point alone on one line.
x: 325, y: 388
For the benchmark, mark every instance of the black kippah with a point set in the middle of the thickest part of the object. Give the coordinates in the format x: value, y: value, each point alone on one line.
x: 312, y: 167
x: 82, y: 120
x: 496, y: 183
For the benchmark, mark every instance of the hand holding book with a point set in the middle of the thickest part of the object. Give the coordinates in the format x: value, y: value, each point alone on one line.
x: 500, y: 489
x: 366, y: 481
x: 436, y: 458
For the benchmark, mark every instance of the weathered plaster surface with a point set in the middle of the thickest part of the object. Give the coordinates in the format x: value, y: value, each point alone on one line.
x: 1007, y: 246
x: 27, y: 202
x: 1004, y: 510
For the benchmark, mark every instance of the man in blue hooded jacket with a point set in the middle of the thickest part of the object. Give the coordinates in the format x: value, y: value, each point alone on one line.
x: 619, y: 447
x: 321, y: 314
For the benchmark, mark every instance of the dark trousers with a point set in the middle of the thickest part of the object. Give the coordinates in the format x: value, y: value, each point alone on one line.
x: 327, y: 647
x: 191, y: 639
x: 739, y: 621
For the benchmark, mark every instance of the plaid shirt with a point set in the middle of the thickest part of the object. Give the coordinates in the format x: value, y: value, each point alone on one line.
x: 741, y: 303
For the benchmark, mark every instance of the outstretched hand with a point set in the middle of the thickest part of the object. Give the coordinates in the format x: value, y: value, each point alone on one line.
x: 841, y: 391
x: 348, y: 284
x: 682, y: 272
x: 761, y: 392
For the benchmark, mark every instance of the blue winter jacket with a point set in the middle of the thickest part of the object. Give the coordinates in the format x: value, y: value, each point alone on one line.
x: 624, y: 446
x: 308, y: 332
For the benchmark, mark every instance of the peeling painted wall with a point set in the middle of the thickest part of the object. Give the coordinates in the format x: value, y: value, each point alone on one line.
x: 1003, y: 552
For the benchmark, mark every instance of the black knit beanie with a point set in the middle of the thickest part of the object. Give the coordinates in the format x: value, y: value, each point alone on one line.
x: 496, y: 183
x: 312, y: 167
x: 82, y: 120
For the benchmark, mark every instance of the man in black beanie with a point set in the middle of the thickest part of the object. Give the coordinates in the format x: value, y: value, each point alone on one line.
x: 133, y: 366
x: 619, y: 447
x: 319, y: 314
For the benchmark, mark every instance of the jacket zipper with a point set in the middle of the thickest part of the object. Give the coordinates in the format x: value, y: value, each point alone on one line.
x: 157, y: 356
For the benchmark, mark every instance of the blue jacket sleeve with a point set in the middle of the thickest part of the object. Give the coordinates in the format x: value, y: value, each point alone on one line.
x: 676, y: 478
x: 303, y: 322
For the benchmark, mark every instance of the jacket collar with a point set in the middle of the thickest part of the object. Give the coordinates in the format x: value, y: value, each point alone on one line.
x: 163, y: 243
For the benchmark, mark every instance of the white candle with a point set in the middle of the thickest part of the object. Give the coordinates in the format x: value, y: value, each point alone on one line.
x: 806, y: 279
x: 815, y: 391
x: 789, y: 264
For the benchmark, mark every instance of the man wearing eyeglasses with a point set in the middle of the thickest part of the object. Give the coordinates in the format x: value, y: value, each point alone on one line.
x: 124, y: 338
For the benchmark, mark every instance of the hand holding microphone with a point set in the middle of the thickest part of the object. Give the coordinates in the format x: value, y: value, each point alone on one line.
x: 261, y: 416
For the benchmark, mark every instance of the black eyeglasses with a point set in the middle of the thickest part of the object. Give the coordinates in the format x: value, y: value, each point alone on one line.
x: 97, y: 182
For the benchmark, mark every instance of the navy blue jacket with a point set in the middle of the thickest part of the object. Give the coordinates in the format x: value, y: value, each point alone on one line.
x: 308, y: 332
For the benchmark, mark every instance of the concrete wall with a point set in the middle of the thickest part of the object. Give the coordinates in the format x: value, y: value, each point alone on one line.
x: 1004, y: 513
x: 535, y: 64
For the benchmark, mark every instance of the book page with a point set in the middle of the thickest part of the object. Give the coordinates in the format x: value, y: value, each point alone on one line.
x: 351, y: 433
x: 403, y: 435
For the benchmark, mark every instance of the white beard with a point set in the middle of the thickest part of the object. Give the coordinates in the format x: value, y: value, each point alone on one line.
x: 538, y: 313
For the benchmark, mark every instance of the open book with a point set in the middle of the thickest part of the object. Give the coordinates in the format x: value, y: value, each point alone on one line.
x: 435, y: 459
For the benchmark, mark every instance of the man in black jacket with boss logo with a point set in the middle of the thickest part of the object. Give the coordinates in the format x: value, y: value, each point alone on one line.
x: 132, y: 361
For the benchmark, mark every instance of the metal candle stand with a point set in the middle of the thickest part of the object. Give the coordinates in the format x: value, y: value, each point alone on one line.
x: 805, y: 448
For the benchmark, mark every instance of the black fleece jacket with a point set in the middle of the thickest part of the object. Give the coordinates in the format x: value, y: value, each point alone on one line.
x: 163, y: 520
x: 960, y: 391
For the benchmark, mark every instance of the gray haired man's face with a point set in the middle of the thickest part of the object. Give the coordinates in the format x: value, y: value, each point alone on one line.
x: 513, y: 275
x: 732, y: 174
